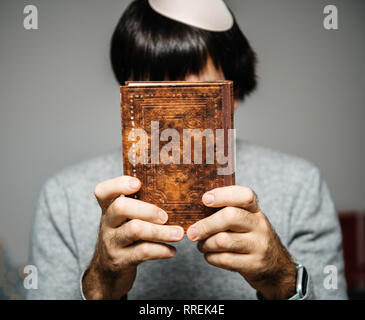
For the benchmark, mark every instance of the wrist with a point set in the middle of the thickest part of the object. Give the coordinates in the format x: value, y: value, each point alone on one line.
x: 96, y: 285
x: 101, y: 284
x: 90, y: 285
x: 279, y: 286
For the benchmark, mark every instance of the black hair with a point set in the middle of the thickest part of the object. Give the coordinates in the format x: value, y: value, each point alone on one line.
x: 148, y: 46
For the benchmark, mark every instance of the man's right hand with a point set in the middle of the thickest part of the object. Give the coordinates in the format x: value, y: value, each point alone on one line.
x: 129, y: 229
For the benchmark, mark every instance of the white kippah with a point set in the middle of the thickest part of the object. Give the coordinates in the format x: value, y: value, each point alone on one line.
x: 211, y: 15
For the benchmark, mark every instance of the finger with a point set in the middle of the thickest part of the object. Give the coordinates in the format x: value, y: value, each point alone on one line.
x: 136, y: 230
x: 106, y: 191
x: 124, y: 208
x: 143, y: 251
x: 227, y: 242
x: 228, y: 260
x: 226, y: 219
x: 232, y: 196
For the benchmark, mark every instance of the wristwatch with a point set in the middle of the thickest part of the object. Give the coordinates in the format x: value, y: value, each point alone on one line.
x: 302, y: 282
x: 300, y: 287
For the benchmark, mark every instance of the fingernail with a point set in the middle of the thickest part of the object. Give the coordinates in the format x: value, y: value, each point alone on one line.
x: 175, y: 233
x: 193, y: 233
x: 163, y: 216
x: 134, y: 183
x: 208, y: 198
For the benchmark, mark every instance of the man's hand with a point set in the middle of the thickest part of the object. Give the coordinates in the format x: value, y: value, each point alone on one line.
x: 128, y: 232
x: 240, y: 238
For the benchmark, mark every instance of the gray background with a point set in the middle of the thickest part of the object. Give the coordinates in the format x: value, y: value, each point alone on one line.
x: 59, y: 102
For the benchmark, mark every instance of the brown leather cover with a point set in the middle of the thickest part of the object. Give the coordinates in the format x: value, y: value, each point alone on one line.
x: 176, y: 188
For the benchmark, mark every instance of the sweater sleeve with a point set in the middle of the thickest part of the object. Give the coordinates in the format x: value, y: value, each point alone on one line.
x: 315, y: 239
x: 53, y: 249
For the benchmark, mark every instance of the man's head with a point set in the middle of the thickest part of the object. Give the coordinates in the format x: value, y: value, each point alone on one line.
x: 148, y: 46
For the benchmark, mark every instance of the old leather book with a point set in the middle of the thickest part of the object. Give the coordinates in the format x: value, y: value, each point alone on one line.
x: 164, y: 127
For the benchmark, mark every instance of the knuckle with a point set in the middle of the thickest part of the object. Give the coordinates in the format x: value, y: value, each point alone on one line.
x: 250, y: 195
x: 135, y: 228
x: 114, y: 264
x: 222, y: 240
x: 243, y: 214
x: 97, y: 190
x: 250, y: 218
x: 144, y: 251
x: 121, y: 239
x: 119, y: 204
x: 112, y: 260
x: 247, y: 216
x: 231, y: 214
x: 106, y: 236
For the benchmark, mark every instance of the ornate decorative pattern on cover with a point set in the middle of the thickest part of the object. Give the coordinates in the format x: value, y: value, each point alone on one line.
x: 173, y: 181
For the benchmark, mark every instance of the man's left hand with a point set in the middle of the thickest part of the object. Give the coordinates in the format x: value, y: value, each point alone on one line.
x: 240, y: 238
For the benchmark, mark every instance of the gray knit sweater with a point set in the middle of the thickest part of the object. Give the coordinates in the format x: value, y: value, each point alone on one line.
x: 291, y: 193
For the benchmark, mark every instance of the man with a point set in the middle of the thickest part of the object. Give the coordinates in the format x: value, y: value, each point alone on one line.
x: 111, y: 247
